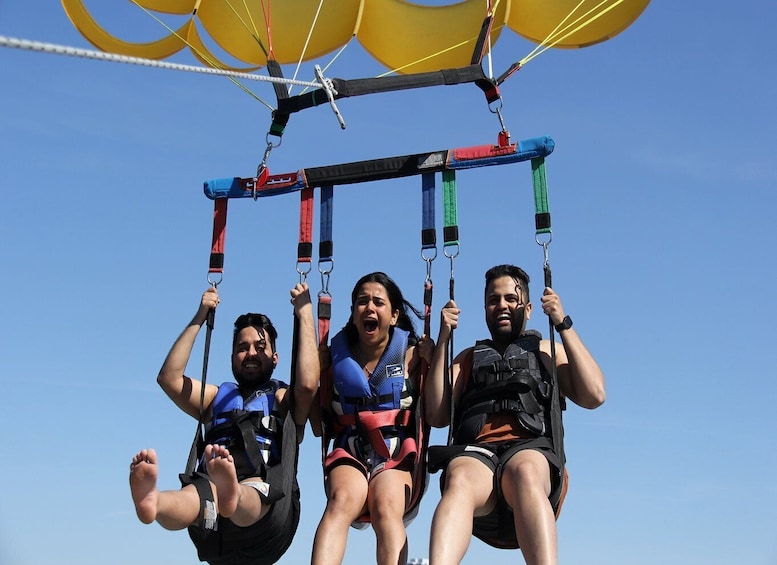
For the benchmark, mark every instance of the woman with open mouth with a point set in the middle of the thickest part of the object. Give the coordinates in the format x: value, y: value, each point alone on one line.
x: 372, y: 416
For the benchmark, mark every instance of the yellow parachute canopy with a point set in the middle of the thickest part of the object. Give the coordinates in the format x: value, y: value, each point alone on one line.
x: 402, y: 36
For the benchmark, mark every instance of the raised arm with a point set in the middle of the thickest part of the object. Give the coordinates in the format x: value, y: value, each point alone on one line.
x: 437, y: 391
x: 308, y: 367
x: 579, y: 376
x: 182, y: 390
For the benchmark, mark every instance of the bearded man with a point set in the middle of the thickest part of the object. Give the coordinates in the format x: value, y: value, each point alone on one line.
x: 242, y: 503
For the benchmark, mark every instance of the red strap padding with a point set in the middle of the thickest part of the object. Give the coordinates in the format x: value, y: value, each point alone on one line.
x: 305, y: 247
x: 483, y: 151
x: 219, y: 236
x: 324, y: 318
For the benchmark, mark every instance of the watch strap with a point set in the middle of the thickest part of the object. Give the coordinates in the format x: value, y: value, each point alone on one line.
x: 565, y: 324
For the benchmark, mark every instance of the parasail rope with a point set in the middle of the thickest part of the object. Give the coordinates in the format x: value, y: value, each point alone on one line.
x: 200, y: 54
x: 103, y: 56
x: 556, y: 36
x: 330, y: 63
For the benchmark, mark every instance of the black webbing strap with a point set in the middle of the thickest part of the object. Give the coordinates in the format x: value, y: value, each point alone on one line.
x: 360, y: 87
x: 279, y: 119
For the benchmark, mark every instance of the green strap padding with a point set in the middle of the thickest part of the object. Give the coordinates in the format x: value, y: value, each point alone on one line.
x: 450, y: 213
x: 542, y: 213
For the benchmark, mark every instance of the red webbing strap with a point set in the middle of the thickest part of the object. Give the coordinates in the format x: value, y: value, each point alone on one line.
x: 305, y: 246
x: 216, y: 264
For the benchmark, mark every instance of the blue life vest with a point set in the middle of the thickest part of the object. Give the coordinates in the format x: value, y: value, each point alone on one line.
x: 386, y: 389
x: 379, y: 415
x: 249, y: 428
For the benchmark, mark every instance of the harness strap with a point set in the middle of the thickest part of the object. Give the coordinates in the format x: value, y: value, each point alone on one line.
x: 428, y: 241
x: 305, y: 245
x: 542, y: 214
x: 451, y: 238
x: 215, y: 265
x: 279, y: 120
x: 543, y: 226
x: 492, y: 375
x: 256, y: 453
x: 372, y: 424
x: 398, y: 417
x: 325, y: 262
x: 370, y: 400
x: 525, y: 403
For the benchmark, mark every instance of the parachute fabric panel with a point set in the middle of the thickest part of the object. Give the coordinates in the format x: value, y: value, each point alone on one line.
x: 537, y: 19
x: 403, y: 36
x: 181, y: 7
x: 238, y: 32
x: 410, y: 38
x: 97, y: 36
x: 206, y: 56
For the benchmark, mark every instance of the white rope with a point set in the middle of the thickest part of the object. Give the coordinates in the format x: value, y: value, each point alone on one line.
x: 112, y: 57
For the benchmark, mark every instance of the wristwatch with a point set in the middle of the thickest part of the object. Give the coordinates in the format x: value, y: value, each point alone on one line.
x: 565, y: 324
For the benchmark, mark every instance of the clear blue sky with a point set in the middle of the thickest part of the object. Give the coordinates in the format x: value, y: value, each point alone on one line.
x: 663, y: 193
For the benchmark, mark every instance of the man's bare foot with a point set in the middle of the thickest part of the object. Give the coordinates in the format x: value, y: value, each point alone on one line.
x: 143, y: 475
x: 221, y: 469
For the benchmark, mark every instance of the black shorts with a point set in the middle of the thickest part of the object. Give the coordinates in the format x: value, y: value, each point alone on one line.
x: 497, y: 528
x: 262, y: 543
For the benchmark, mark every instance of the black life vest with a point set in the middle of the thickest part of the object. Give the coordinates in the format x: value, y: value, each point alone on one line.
x: 516, y: 382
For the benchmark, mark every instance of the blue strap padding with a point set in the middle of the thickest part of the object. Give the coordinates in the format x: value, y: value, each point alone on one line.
x: 327, y: 206
x: 525, y: 150
x: 427, y: 206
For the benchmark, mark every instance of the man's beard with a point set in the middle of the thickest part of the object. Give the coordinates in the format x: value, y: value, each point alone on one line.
x: 517, y: 323
x: 253, y: 380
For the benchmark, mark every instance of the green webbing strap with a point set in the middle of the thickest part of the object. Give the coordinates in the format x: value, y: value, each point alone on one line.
x: 451, y: 239
x: 451, y: 227
x: 542, y: 223
x: 542, y: 215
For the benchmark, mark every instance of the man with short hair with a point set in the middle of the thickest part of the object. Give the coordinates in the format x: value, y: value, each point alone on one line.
x: 503, y: 478
x: 242, y: 504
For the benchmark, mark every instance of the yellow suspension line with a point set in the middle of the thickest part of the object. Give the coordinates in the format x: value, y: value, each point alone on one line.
x: 213, y: 64
x: 555, y: 40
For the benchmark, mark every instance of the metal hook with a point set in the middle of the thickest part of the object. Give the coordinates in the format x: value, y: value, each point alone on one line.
x: 303, y: 273
x: 215, y: 283
x: 451, y: 255
x: 325, y: 272
x: 429, y: 260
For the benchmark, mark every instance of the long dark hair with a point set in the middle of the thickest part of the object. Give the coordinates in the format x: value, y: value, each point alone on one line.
x: 397, y: 301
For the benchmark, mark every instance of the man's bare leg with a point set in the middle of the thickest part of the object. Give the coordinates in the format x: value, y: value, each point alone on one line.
x: 468, y: 492
x: 172, y: 509
x: 526, y: 486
